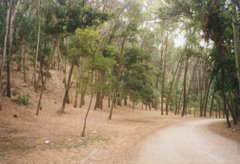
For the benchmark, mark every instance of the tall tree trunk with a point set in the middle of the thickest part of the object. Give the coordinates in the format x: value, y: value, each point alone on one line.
x: 236, y: 37
x: 191, y: 80
x: 39, y: 106
x: 176, y: 86
x: 67, y: 88
x: 4, y: 52
x: 14, y: 7
x: 164, y: 74
x: 38, y: 45
x: 201, y: 83
x: 185, y: 88
x: 206, y: 98
x: 172, y: 82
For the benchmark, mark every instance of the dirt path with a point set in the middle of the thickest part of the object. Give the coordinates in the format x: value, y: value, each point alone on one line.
x: 190, y: 143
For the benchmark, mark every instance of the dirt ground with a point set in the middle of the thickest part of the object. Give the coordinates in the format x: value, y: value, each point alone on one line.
x: 222, y: 129
x: 50, y: 138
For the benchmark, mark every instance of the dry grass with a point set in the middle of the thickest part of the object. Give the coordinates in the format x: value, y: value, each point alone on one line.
x: 23, y: 139
x: 222, y: 129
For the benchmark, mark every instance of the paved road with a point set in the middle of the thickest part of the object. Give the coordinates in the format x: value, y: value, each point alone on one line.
x: 189, y: 143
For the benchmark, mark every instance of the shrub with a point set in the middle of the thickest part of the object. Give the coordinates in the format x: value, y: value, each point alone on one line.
x: 23, y: 99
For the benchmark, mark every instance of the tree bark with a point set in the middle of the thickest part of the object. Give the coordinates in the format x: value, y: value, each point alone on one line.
x: 112, y: 105
x: 38, y: 45
x: 67, y: 88
x: 172, y: 82
x: 185, y: 88
x: 4, y: 52
x: 236, y: 37
x: 226, y: 112
x: 82, y: 100
x: 201, y: 83
x: 211, y: 108
x: 206, y: 98
x: 75, y: 99
x: 86, y: 116
x: 98, y: 99
x: 164, y: 74
x: 39, y: 106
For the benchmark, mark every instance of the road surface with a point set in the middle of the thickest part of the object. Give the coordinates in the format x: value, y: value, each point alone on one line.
x: 189, y: 143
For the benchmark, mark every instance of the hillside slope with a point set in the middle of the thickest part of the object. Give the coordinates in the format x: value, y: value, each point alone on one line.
x: 50, y: 138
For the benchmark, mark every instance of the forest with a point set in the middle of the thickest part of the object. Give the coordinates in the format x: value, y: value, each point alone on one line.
x: 178, y: 56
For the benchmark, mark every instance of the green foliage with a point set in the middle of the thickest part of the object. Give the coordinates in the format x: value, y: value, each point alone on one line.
x: 67, y: 18
x: 134, y: 55
x: 23, y: 99
x: 83, y: 43
x: 2, y: 23
x: 224, y: 69
x: 25, y: 28
x: 110, y: 51
x: 103, y: 64
x: 138, y: 75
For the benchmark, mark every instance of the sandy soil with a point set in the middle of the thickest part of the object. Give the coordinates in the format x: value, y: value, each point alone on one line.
x: 222, y: 129
x: 49, y: 138
x: 189, y: 142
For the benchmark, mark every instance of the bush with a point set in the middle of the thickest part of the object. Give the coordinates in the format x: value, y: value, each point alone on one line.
x: 22, y: 99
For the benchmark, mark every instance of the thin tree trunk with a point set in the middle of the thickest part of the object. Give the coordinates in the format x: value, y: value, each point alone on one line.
x: 67, y: 88
x: 179, y: 103
x: 14, y: 7
x: 191, y: 81
x: 75, y: 99
x: 177, y: 80
x: 164, y: 74
x: 4, y: 52
x: 226, y: 112
x: 98, y: 99
x: 125, y: 101
x: 82, y: 100
x: 38, y: 45
x: 24, y: 62
x: 201, y: 82
x: 206, y: 99
x: 86, y: 116
x: 185, y: 88
x: 39, y: 106
x: 172, y: 82
x: 211, y: 108
x: 109, y: 102
x: 112, y: 105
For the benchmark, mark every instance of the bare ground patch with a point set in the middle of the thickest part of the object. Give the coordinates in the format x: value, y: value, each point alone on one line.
x: 222, y: 129
x: 50, y: 138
